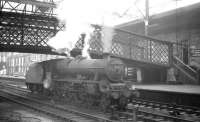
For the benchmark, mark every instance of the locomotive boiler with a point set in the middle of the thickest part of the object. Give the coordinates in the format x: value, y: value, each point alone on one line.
x: 95, y: 82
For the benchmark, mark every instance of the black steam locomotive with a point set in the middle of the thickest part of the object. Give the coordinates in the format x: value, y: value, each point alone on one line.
x: 94, y: 82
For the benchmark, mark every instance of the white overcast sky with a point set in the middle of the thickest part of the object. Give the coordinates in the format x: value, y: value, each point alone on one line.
x: 78, y: 14
x: 113, y: 12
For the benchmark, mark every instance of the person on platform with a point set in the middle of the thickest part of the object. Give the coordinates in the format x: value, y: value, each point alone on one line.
x: 196, y: 66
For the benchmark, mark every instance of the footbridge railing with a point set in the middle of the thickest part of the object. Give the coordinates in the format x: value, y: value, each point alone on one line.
x: 129, y: 45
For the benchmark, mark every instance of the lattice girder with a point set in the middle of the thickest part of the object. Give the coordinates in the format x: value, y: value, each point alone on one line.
x: 27, y: 25
x: 17, y: 28
x: 29, y: 7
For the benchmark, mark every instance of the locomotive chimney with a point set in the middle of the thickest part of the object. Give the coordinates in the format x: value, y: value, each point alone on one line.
x: 79, y: 46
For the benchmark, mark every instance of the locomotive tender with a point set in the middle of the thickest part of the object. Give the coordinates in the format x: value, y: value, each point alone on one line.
x: 95, y: 82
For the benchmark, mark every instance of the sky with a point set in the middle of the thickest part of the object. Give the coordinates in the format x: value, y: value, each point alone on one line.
x: 113, y: 12
x: 79, y: 14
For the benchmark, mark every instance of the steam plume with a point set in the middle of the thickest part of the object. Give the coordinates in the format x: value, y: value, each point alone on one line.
x: 78, y: 15
x: 107, y: 36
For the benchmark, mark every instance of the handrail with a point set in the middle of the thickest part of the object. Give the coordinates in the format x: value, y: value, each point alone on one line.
x: 135, y: 34
x: 184, y: 64
x: 144, y: 36
x: 183, y: 71
x: 188, y: 71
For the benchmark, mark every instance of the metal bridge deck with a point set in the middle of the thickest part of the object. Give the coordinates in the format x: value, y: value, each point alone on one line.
x: 27, y: 25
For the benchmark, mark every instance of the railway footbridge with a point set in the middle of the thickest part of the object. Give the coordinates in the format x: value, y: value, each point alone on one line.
x: 27, y: 25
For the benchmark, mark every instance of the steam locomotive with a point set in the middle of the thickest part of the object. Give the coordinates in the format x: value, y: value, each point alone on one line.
x: 92, y: 82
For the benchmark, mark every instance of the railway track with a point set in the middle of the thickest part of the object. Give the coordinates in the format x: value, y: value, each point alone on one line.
x: 144, y: 116
x: 178, y: 111
x: 65, y: 114
x: 152, y: 111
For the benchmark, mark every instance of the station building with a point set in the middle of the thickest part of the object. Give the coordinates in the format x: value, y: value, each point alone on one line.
x: 180, y: 26
x: 16, y: 64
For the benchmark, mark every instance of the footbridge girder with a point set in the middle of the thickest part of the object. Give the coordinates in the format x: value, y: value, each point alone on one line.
x: 27, y: 26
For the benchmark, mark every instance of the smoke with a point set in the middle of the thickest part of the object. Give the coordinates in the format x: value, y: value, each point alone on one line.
x: 86, y: 47
x: 78, y: 15
x: 68, y: 37
x: 107, y: 36
x: 77, y: 20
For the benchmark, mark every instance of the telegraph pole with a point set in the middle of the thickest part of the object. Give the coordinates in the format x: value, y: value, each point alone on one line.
x: 146, y: 20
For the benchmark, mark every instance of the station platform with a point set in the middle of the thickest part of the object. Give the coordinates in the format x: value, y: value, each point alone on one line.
x: 180, y: 94
x: 186, y: 89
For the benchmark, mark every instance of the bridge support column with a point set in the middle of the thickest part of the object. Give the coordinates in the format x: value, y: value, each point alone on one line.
x: 139, y: 75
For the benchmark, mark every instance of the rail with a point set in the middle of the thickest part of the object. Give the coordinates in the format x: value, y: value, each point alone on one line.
x: 68, y: 114
x: 12, y: 78
x: 155, y: 110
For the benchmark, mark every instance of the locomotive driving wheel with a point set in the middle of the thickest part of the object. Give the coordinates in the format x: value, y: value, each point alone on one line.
x: 30, y: 87
x: 88, y: 101
x: 47, y: 92
x: 104, y: 102
x: 82, y: 98
x: 39, y: 89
